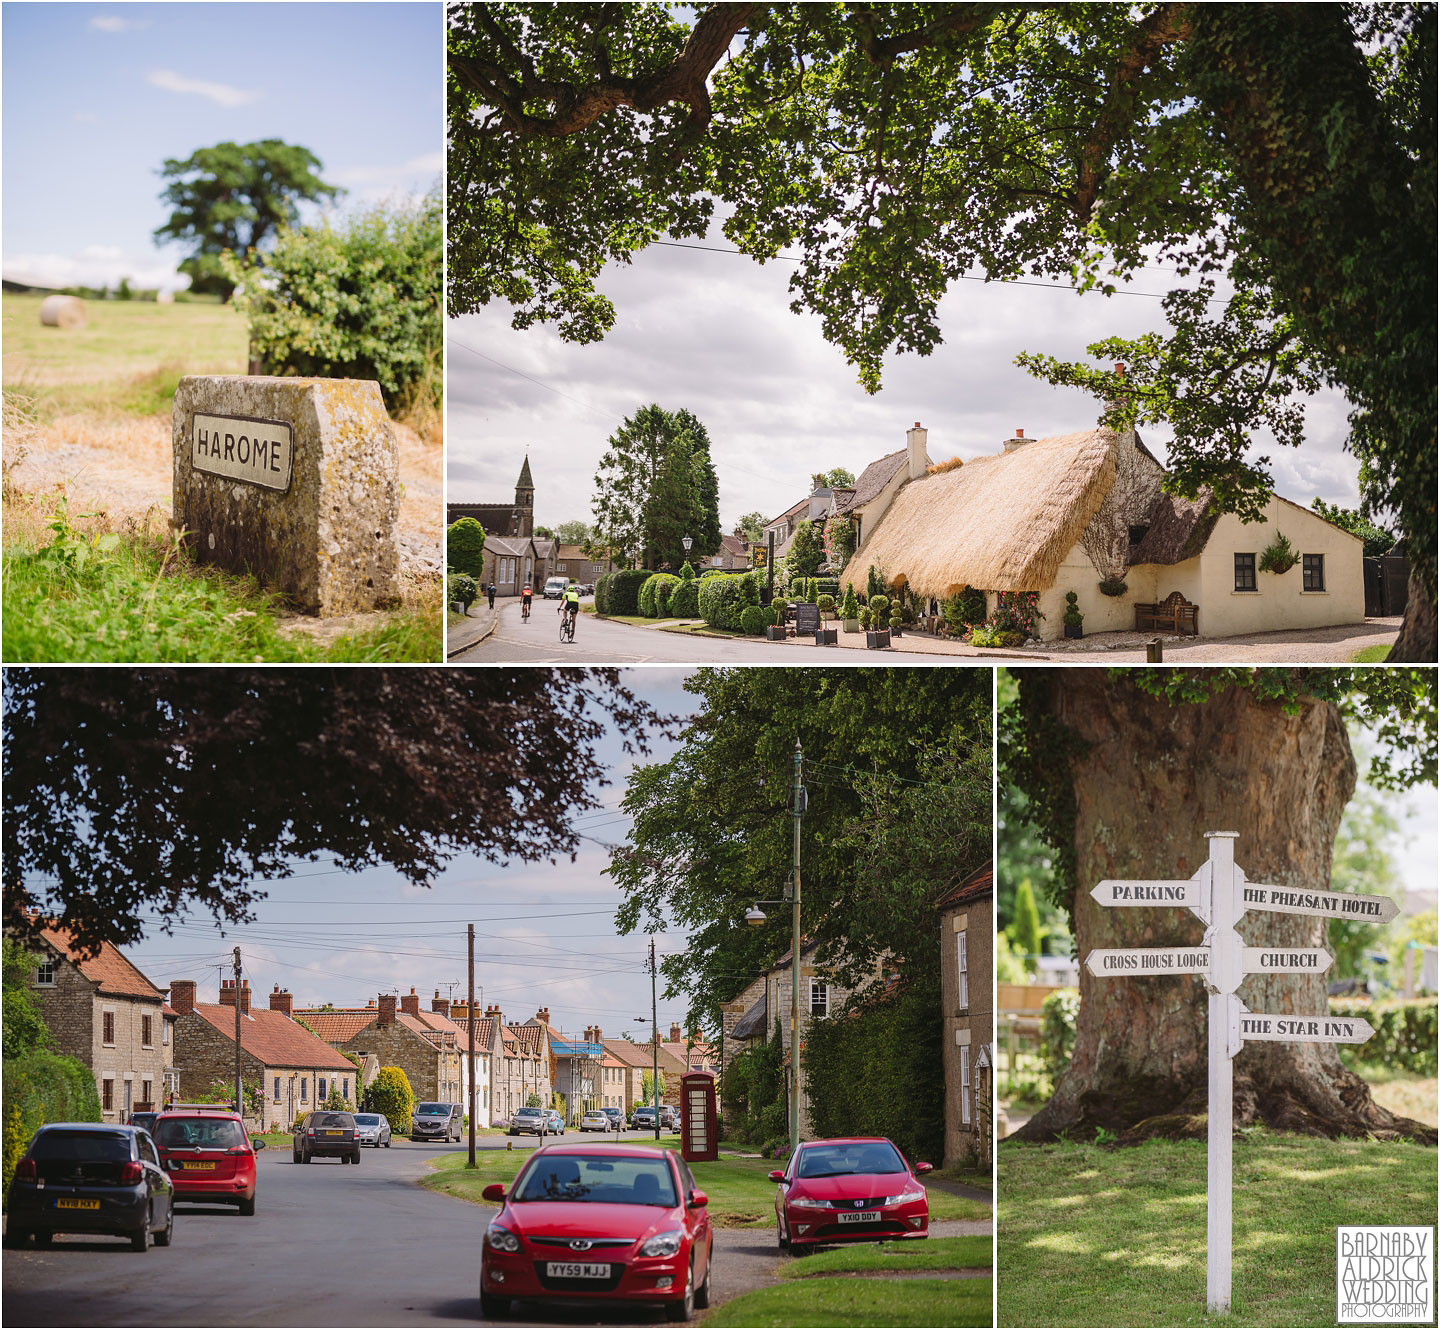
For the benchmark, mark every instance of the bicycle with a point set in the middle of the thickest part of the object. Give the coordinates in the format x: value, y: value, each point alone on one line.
x: 524, y: 611
x: 567, y: 627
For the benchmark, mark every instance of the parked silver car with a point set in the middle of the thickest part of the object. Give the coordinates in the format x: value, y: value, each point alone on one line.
x: 372, y: 1129
x: 437, y: 1121
x: 536, y: 1120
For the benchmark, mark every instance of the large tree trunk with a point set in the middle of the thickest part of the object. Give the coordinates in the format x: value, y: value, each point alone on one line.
x: 1155, y: 778
x: 1417, y: 641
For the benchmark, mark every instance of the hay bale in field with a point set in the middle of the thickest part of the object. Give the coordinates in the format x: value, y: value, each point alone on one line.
x: 62, y: 312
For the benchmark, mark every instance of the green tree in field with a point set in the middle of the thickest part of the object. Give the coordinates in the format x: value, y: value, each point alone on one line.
x: 1363, y: 862
x: 354, y: 299
x: 1025, y: 927
x: 572, y: 533
x: 655, y: 486
x: 465, y: 546
x: 807, y: 549
x: 236, y: 197
x: 390, y: 1093
x: 838, y: 478
x: 1284, y: 150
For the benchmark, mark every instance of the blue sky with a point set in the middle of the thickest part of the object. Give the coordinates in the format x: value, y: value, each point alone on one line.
x: 96, y: 97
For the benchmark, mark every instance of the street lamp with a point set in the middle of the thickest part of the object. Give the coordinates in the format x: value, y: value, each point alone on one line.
x: 756, y: 916
x: 687, y: 542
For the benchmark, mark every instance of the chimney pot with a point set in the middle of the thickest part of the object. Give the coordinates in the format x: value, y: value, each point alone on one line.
x: 410, y: 1004
x: 1119, y: 370
x: 281, y: 1001
x: 386, y: 1009
x: 442, y: 1005
x: 674, y: 1034
x: 1020, y: 433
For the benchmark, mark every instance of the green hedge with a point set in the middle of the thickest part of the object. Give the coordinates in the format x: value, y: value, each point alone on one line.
x: 754, y: 620
x: 654, y: 598
x: 723, y: 599
x: 622, y: 593
x: 879, y: 1071
x: 685, y: 600
x: 1405, y: 1033
x: 43, y: 1087
x: 602, y: 593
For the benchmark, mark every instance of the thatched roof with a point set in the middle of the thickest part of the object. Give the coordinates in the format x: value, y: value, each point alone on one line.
x: 1178, y: 530
x: 1002, y: 523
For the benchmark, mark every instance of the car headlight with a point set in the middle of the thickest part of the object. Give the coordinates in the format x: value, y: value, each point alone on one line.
x: 501, y: 1239
x: 905, y: 1197
x: 663, y: 1244
x: 807, y: 1203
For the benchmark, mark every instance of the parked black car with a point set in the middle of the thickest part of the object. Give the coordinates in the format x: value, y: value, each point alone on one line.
x: 89, y: 1177
x: 326, y: 1133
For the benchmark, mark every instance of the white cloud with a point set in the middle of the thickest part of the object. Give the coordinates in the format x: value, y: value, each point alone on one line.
x: 114, y: 23
x: 220, y: 93
x: 95, y: 265
x: 406, y: 181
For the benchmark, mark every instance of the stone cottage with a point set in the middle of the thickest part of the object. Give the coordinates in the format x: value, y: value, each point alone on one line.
x: 967, y: 968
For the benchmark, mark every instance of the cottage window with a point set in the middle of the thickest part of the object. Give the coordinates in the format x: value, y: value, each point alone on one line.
x: 107, y: 1027
x: 304, y: 1088
x: 45, y: 974
x: 107, y: 1095
x: 1244, y: 572
x: 147, y: 1035
x: 277, y: 1089
x: 819, y: 999
x: 963, y: 970
x: 165, y: 1032
x: 145, y: 1092
x: 1313, y: 572
x: 345, y: 1087
x: 320, y: 1089
x: 964, y: 1087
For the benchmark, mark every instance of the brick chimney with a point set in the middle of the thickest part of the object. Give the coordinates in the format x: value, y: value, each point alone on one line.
x: 915, y: 450
x: 182, y: 996
x: 227, y: 992
x: 281, y: 1001
x: 674, y: 1033
x: 245, y: 998
x: 387, y: 1009
x: 442, y: 1005
x: 1019, y: 441
x: 543, y: 1015
x: 410, y: 1004
x: 599, y: 1035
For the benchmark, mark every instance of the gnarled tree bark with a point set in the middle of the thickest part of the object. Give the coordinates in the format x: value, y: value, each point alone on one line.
x: 1152, y: 780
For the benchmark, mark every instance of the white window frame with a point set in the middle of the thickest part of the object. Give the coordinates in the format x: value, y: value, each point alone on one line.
x: 45, y: 973
x: 822, y: 989
x: 963, y: 969
x: 965, y: 1087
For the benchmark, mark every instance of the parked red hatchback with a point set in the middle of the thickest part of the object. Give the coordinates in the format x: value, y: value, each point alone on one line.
x: 209, y: 1156
x: 855, y: 1189
x: 616, y: 1223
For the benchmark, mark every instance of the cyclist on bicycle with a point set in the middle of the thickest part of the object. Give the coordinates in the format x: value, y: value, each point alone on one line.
x: 570, y: 604
x: 525, y: 597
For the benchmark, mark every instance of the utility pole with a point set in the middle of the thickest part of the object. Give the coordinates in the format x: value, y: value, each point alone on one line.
x: 795, y: 963
x: 654, y: 1042
x: 239, y: 1087
x: 471, y: 1024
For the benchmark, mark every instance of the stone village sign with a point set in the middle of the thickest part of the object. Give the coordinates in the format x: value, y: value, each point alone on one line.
x: 1219, y: 894
x: 294, y: 481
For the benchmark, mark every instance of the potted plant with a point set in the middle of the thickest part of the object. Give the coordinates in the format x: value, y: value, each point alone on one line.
x: 826, y: 605
x: 850, y: 610
x: 1073, y: 618
x: 878, y: 635
x: 897, y: 620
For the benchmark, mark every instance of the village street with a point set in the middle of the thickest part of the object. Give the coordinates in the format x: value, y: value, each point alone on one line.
x: 327, y: 1246
x: 600, y: 641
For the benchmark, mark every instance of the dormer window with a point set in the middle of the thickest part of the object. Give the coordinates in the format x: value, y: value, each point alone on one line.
x: 1138, y: 533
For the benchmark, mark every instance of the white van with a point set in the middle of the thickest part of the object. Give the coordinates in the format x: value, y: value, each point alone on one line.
x: 555, y: 587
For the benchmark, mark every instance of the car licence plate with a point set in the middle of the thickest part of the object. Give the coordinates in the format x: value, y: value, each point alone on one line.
x: 576, y: 1270
x: 864, y: 1217
x: 75, y: 1203
x: 197, y: 1163
x: 335, y: 1133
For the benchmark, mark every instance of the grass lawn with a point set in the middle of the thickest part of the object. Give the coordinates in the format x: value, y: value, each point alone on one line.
x: 847, y: 1301
x: 740, y: 1193
x: 932, y: 1254
x: 1370, y: 655
x: 1089, y: 1236
x: 1400, y: 1091
x: 968, y: 1177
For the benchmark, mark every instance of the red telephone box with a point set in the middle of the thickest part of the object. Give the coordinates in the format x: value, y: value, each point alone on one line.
x: 699, y: 1127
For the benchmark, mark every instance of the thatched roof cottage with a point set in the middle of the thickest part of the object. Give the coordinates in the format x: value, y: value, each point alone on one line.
x: 1064, y: 513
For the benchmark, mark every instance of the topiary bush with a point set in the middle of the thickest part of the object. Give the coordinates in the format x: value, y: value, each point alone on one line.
x: 623, y: 596
x: 602, y: 593
x: 654, y: 598
x: 880, y: 610
x: 721, y: 601
x: 390, y: 1093
x: 685, y: 600
x: 850, y: 607
x: 465, y: 547
x: 461, y: 587
x: 753, y: 620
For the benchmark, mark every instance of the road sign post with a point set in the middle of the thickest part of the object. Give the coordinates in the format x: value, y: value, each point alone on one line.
x: 1218, y: 894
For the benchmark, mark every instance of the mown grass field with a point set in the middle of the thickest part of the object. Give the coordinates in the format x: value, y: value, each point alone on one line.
x: 894, y: 1257
x: 844, y: 1300
x: 1092, y: 1236
x: 92, y: 571
x: 741, y: 1194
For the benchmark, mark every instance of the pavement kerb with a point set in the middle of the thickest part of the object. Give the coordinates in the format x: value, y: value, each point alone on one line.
x: 463, y: 636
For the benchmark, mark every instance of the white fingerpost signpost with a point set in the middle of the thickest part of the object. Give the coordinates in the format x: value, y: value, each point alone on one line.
x: 1218, y: 894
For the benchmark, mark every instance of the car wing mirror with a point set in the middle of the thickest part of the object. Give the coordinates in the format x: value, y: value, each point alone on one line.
x: 924, y: 1168
x: 494, y: 1192
x: 258, y: 1143
x: 698, y: 1200
x: 777, y: 1175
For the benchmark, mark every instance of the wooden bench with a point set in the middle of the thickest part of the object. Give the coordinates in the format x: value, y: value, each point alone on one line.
x: 1174, y: 613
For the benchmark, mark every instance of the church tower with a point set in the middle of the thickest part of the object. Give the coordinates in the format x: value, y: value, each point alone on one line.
x: 525, y: 501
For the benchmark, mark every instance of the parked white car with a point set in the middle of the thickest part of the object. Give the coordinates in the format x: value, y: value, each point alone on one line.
x: 595, y: 1120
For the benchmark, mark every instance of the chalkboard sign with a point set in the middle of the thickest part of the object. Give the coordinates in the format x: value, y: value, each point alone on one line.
x: 807, y: 617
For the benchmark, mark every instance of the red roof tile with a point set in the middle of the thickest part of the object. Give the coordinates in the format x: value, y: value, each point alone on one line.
x: 336, y: 1027
x: 980, y: 884
x: 274, y: 1039
x: 110, y: 972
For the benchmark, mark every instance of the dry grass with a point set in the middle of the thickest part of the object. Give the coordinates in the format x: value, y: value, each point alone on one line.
x: 1003, y: 522
x: 939, y: 468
